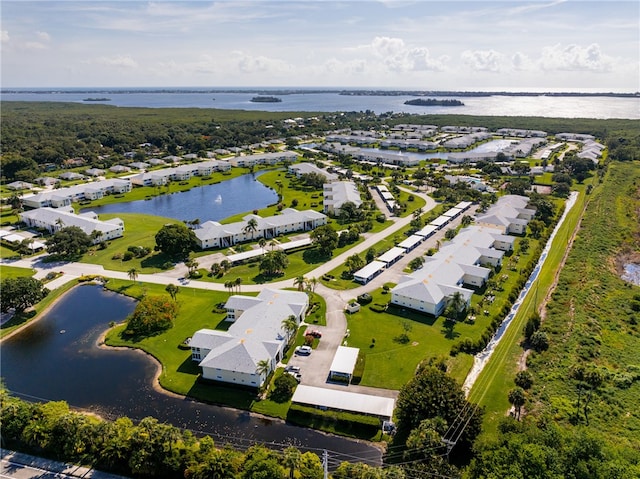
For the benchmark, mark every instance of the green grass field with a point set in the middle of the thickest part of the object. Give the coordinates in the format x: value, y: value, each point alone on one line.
x: 139, y: 230
x: 14, y: 272
x: 179, y: 373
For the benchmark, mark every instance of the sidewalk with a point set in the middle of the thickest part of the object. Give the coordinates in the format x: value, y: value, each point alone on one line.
x: 11, y: 462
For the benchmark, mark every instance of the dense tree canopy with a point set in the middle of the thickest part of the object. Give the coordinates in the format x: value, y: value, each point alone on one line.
x: 176, y: 240
x: 21, y: 293
x: 69, y: 242
x: 431, y: 394
x: 325, y: 238
x: 152, y: 315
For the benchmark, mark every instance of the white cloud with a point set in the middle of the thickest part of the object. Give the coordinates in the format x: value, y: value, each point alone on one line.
x: 4, y: 36
x: 521, y: 62
x: 575, y: 58
x: 398, y: 57
x: 118, y: 61
x: 261, y: 64
x: 43, y: 36
x: 35, y: 46
x: 484, y: 60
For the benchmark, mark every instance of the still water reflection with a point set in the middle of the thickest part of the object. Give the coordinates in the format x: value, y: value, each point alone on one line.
x: 57, y: 359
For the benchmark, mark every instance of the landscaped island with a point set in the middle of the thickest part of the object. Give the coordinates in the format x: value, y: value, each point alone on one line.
x: 266, y: 99
x: 433, y: 102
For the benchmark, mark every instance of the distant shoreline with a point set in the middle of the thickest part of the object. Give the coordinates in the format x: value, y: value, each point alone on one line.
x: 303, y: 91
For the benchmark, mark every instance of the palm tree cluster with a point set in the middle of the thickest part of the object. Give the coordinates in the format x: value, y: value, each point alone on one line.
x: 233, y: 285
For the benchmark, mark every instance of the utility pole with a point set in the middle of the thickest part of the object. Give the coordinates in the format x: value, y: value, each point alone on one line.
x: 325, y: 463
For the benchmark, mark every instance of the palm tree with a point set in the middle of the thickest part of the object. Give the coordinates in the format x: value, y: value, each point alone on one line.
x: 237, y: 283
x: 263, y: 367
x: 517, y: 399
x: 252, y: 226
x: 216, y: 269
x: 312, y: 283
x: 172, y: 289
x: 290, y: 325
x: 262, y: 243
x: 133, y: 274
x: 456, y: 304
x: 229, y: 285
x: 299, y: 282
x: 225, y: 264
x: 192, y: 265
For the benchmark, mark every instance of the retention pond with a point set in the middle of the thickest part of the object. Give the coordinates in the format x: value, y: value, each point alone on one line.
x: 57, y: 358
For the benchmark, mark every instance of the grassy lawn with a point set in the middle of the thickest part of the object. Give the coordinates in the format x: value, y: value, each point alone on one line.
x: 495, y: 381
x: 179, y: 373
x: 140, y: 230
x: 14, y: 272
x: 390, y: 362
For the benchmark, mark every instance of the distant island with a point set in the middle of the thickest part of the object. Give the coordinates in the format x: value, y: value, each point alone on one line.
x: 433, y: 102
x: 266, y: 99
x: 97, y: 99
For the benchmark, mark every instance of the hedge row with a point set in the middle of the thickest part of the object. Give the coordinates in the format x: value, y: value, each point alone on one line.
x: 344, y: 423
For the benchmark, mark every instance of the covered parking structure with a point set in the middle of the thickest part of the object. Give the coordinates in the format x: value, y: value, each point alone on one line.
x: 370, y: 271
x: 391, y: 256
x: 321, y: 398
x: 344, y: 362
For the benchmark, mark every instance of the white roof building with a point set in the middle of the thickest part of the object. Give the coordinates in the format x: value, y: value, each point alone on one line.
x: 509, y: 214
x: 343, y: 364
x: 368, y: 272
x: 458, y: 263
x: 53, y: 219
x: 323, y: 398
x: 86, y: 191
x: 300, y: 169
x: 337, y: 194
x: 257, y: 334
x: 212, y: 234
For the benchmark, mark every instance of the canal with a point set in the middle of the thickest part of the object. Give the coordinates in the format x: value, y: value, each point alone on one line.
x: 57, y: 358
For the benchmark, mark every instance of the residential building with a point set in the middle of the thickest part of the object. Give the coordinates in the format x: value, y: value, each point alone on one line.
x: 257, y: 334
x: 53, y: 219
x: 457, y: 266
x: 337, y: 194
x: 509, y: 214
x: 300, y: 169
x: 212, y: 234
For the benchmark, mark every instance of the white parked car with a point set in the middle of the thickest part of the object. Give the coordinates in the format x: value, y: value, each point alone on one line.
x: 303, y: 350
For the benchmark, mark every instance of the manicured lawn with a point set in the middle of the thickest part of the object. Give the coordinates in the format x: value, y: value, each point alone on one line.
x: 139, y: 230
x: 14, y: 272
x: 179, y: 373
x: 389, y: 362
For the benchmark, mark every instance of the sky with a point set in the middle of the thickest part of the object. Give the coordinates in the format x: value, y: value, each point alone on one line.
x: 522, y: 45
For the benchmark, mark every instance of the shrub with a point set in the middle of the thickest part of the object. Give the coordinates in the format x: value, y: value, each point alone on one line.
x: 127, y: 256
x: 365, y: 298
x: 117, y: 256
x: 152, y: 315
x: 283, y: 387
x: 524, y: 379
x: 539, y: 341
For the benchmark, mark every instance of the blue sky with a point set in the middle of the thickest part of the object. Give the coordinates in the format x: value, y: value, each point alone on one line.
x: 503, y: 45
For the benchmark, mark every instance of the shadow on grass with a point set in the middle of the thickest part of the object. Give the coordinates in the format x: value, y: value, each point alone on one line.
x: 315, y: 256
x: 448, y: 329
x: 156, y: 260
x: 411, y: 315
x: 265, y: 278
x: 212, y: 392
x: 189, y: 366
